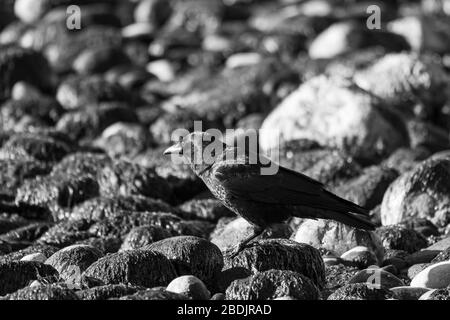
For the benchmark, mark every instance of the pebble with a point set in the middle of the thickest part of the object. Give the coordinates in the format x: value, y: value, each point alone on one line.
x: 360, y: 256
x: 435, y: 276
x: 38, y: 257
x: 189, y: 286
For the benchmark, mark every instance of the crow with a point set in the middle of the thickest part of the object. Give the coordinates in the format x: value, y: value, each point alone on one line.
x: 239, y: 182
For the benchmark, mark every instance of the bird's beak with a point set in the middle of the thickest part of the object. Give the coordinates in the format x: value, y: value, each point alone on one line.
x: 175, y: 149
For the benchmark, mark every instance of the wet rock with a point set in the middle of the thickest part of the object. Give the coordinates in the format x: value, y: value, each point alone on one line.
x: 408, y: 293
x: 37, y: 147
x: 189, y: 286
x: 107, y: 292
x: 229, y: 232
x: 337, y: 237
x: 405, y: 159
x: 397, y: 258
x: 66, y: 233
x: 439, y: 294
x: 401, y: 238
x: 71, y: 261
x: 136, y: 267
x: 435, y: 276
x: 122, y: 139
x: 273, y: 284
x: 81, y: 163
x: 318, y: 103
x: 227, y: 276
x: 42, y: 292
x: 46, y: 250
x: 281, y: 254
x: 107, y: 244
x: 443, y: 256
x: 14, y: 172
x: 337, y: 276
x: 191, y: 256
x: 105, y: 207
x: 15, y: 275
x: 158, y: 293
x: 368, y: 189
x: 141, y: 236
x: 360, y: 291
x: 20, y: 64
x: 419, y: 193
x: 360, y: 256
x: 377, y: 277
x: 76, y: 92
x: 88, y: 123
x: 128, y: 179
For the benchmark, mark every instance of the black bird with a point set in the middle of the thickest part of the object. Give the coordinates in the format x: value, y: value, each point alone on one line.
x: 237, y: 180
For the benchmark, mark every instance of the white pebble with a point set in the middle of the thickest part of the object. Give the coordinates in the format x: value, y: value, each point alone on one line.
x: 37, y: 257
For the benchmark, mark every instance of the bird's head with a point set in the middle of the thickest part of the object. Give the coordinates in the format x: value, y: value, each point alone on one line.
x: 199, y: 149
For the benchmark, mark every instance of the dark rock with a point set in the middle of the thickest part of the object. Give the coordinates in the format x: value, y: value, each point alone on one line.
x: 191, y: 256
x: 368, y: 189
x: 28, y: 233
x: 98, y: 60
x: 71, y: 261
x: 15, y: 275
x: 66, y: 233
x: 443, y: 256
x: 108, y: 244
x: 419, y: 193
x: 42, y: 292
x: 208, y: 209
x: 107, y: 292
x: 141, y: 236
x: 405, y: 159
x: 281, y: 254
x: 128, y: 179
x: 440, y: 294
x: 226, y: 277
x: 89, y: 122
x: 399, y: 237
x: 408, y: 293
x: 337, y: 276
x: 273, y: 284
x: 76, y: 92
x: 158, y: 293
x: 81, y: 163
x: 137, y: 267
x: 360, y: 291
x: 20, y: 64
x: 46, y: 250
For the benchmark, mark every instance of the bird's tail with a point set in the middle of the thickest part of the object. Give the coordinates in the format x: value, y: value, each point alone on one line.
x: 335, y: 208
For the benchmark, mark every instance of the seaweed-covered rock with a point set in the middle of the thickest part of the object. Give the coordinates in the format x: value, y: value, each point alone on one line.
x: 37, y: 147
x: 99, y: 208
x: 71, y: 261
x: 158, y: 293
x: 314, y: 111
x: 46, y: 250
x: 439, y: 294
x: 137, y: 267
x: 191, y: 256
x: 182, y: 180
x: 281, y: 254
x: 361, y: 291
x: 419, y: 193
x: 107, y: 292
x: 360, y: 256
x: 337, y: 237
x: 42, y: 292
x: 128, y: 179
x: 66, y: 233
x: 273, y: 284
x: 401, y: 238
x: 139, y: 237
x: 26, y: 233
x: 76, y: 92
x: 57, y: 193
x: 125, y: 139
x: 229, y: 232
x: 20, y: 64
x: 15, y: 275
x: 107, y: 244
x: 337, y: 276
x: 189, y: 286
x: 89, y: 122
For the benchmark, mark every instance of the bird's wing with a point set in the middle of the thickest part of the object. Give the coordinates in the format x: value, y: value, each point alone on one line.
x: 245, y: 181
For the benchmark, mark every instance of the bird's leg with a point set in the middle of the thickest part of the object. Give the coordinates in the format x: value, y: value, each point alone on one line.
x: 241, y: 246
